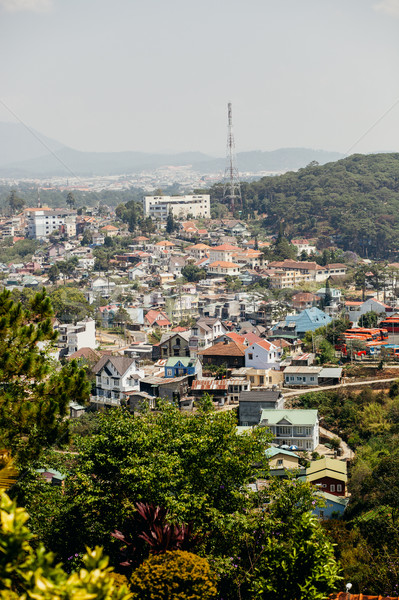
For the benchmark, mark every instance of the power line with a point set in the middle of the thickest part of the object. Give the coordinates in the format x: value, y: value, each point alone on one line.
x: 373, y: 125
x: 42, y: 142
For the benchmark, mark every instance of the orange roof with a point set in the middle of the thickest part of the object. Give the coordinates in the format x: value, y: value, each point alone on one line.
x: 157, y: 317
x: 236, y: 337
x: 199, y: 247
x: 109, y: 228
x: 226, y: 248
x: 224, y: 264
x: 165, y: 243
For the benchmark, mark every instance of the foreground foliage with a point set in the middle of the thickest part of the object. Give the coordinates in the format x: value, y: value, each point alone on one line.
x: 179, y: 575
x: 30, y: 572
x: 168, y: 481
x: 35, y: 390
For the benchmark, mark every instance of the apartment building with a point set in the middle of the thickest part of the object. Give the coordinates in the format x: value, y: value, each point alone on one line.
x: 42, y: 222
x: 195, y: 205
x: 72, y: 338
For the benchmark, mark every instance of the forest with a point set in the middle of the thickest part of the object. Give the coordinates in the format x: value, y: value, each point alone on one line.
x: 354, y: 202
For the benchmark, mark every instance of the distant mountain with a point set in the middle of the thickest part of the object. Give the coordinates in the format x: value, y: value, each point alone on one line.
x: 17, y: 143
x: 22, y: 155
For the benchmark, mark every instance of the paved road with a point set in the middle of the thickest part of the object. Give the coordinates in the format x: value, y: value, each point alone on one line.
x: 323, y: 388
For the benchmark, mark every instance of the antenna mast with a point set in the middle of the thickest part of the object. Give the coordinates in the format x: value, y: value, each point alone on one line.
x: 231, y: 188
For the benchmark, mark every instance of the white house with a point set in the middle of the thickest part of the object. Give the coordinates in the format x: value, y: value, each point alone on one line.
x: 263, y: 355
x: 293, y: 427
x: 205, y: 332
x: 72, y: 338
x: 354, y: 310
x: 115, y: 375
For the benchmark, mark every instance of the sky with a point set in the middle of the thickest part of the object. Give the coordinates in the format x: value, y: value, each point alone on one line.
x: 156, y: 75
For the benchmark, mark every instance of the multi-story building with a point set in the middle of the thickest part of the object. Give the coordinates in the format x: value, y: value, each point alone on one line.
x: 72, y: 338
x: 42, y: 222
x: 115, y: 377
x: 293, y: 427
x: 159, y: 207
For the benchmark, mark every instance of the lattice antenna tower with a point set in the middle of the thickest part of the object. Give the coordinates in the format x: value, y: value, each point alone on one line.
x: 231, y: 180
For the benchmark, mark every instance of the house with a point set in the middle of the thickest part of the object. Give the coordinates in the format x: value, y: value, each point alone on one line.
x: 304, y: 245
x: 183, y: 365
x: 262, y: 354
x: 172, y: 344
x: 223, y: 253
x: 252, y: 403
x: 110, y: 231
x: 355, y: 310
x: 173, y: 389
x: 292, y: 427
x: 72, y: 338
x: 115, y: 375
x: 298, y: 376
x: 260, y: 378
x: 228, y: 354
x: 102, y: 286
x: 222, y: 390
x: 205, y: 331
x: 221, y: 267
x: 309, y: 319
x: 155, y: 318
x: 281, y: 459
x: 198, y: 251
x: 304, y: 300
x: 329, y: 475
x: 334, y: 506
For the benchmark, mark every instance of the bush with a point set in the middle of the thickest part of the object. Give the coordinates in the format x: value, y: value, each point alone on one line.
x: 179, y: 575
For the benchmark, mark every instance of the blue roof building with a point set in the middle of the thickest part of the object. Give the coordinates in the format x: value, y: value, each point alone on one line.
x: 309, y: 319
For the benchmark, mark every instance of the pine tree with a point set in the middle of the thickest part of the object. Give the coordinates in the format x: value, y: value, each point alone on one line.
x: 35, y: 390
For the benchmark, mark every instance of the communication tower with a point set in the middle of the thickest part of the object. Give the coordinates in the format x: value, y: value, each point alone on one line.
x: 231, y: 180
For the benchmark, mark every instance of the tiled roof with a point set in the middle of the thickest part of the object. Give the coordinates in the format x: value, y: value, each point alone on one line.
x: 224, y: 264
x: 222, y: 349
x: 155, y: 316
x: 226, y: 248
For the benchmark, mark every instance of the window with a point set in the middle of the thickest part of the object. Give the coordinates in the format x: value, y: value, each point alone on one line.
x: 299, y: 430
x: 332, y: 487
x: 312, y: 379
x: 339, y: 487
x: 252, y: 379
x: 250, y: 356
x: 261, y: 379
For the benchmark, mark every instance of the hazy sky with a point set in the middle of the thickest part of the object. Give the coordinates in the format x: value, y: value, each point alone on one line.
x: 156, y: 75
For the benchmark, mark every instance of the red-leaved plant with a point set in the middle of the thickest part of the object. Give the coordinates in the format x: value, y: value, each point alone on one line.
x: 149, y: 530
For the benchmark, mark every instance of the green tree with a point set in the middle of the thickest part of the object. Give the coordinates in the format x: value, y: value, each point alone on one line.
x: 87, y: 238
x: 193, y: 273
x: 53, y: 273
x: 69, y: 304
x: 369, y: 319
x: 16, y: 204
x: 70, y: 200
x: 35, y: 393
x: 171, y: 224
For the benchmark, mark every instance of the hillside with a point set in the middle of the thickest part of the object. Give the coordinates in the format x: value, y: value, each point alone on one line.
x: 354, y: 200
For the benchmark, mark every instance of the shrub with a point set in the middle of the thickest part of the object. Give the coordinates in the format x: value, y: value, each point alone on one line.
x: 179, y: 575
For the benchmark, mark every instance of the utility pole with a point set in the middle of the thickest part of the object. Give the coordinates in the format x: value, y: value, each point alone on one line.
x: 231, y: 180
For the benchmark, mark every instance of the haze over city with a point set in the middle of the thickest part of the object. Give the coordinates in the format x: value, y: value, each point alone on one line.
x: 157, y: 76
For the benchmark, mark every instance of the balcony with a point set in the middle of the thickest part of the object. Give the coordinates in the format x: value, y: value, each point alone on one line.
x: 105, y: 401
